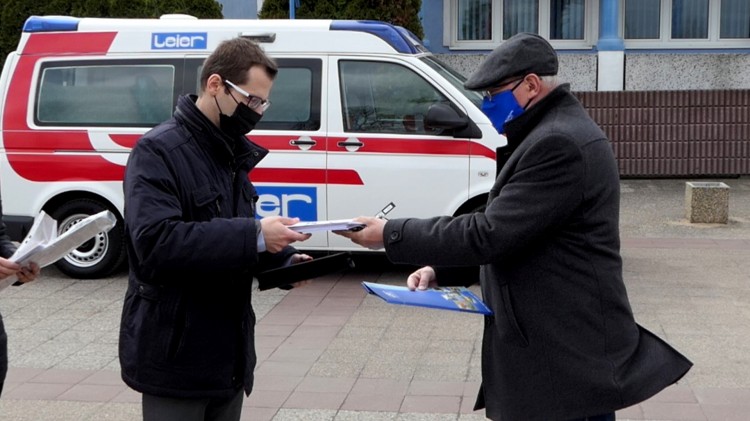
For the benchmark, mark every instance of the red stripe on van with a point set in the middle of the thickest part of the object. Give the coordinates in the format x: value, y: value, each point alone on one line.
x: 372, y: 145
x: 41, y: 140
x: 415, y: 146
x: 125, y: 140
x: 52, y: 167
x: 69, y: 43
x: 305, y: 176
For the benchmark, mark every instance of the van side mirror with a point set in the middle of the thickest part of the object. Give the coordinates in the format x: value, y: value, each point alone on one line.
x: 447, y: 119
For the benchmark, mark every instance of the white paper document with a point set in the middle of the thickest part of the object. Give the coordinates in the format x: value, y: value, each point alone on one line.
x: 43, y: 246
x: 333, y: 225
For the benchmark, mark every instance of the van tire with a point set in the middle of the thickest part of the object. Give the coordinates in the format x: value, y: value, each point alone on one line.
x: 97, y: 257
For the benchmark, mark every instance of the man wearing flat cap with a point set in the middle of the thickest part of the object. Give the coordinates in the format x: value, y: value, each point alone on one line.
x: 562, y: 343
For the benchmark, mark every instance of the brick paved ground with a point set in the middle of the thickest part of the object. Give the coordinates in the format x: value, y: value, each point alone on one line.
x: 328, y: 352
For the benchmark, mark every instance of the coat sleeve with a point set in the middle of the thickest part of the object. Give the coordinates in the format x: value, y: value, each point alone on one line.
x: 161, y: 240
x: 543, y: 192
x: 7, y: 248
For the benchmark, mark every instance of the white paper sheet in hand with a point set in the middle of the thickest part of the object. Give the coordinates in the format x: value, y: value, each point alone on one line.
x: 44, y: 247
x: 42, y: 232
x: 333, y: 225
x: 81, y: 232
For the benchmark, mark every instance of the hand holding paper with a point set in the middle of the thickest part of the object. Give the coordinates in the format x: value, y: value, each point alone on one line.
x: 277, y: 232
x: 422, y: 279
x: 8, y: 268
x: 371, y: 236
x: 43, y: 246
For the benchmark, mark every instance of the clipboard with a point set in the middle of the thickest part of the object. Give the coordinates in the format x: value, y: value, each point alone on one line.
x: 286, y: 275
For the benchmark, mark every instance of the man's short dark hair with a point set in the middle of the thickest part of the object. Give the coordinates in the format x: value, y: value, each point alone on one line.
x: 233, y: 58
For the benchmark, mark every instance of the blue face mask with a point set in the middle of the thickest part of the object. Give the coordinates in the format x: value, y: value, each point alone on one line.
x: 502, y: 107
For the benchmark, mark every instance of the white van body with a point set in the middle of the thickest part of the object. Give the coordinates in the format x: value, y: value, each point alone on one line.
x: 348, y: 130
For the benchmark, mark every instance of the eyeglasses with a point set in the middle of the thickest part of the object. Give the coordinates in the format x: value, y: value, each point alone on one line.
x: 496, y: 90
x: 254, y: 102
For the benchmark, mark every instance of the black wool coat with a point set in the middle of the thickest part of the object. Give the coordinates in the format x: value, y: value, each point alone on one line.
x: 562, y: 343
x: 187, y: 327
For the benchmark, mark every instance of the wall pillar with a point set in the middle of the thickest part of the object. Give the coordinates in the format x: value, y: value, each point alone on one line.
x: 611, y: 48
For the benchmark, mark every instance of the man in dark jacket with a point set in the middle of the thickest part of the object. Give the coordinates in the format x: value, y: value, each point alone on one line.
x: 562, y: 343
x: 187, y: 330
x: 23, y: 274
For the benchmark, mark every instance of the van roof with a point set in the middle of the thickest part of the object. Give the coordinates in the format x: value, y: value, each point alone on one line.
x: 185, y: 33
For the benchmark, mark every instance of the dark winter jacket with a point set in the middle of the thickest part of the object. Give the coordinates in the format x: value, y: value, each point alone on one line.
x: 562, y: 343
x: 187, y: 322
x: 7, y: 248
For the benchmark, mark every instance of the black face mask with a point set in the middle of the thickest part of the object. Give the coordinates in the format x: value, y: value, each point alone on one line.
x: 240, y: 122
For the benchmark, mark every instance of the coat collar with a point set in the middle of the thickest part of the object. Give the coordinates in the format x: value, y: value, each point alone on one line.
x: 517, y: 129
x: 241, y: 151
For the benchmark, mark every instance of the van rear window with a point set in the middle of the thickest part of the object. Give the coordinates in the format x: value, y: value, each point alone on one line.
x: 130, y: 95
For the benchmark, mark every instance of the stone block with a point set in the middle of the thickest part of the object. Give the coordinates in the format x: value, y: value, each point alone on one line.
x: 707, y: 202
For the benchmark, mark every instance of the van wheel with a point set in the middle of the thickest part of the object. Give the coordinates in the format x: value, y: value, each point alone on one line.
x: 97, y: 257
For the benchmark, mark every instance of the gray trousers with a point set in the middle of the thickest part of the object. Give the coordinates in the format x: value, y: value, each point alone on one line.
x: 157, y: 408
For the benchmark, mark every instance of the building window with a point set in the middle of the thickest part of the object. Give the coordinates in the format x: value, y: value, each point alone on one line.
x: 483, y: 24
x: 689, y: 19
x: 474, y: 20
x: 735, y: 19
x: 642, y: 19
x: 685, y: 23
x: 520, y: 16
x: 566, y: 20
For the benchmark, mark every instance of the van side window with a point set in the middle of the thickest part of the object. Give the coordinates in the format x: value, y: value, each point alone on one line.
x: 114, y: 94
x: 385, y: 97
x: 295, y: 96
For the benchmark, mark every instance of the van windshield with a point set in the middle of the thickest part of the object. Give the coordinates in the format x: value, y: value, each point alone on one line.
x: 456, y: 79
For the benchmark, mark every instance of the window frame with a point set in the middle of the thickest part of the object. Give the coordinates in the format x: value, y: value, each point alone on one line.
x: 450, y: 21
x: 665, y: 40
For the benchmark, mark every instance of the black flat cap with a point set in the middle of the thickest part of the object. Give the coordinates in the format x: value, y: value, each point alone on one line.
x: 518, y: 56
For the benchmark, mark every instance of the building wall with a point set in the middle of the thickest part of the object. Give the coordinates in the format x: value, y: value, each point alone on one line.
x: 577, y: 69
x: 657, y: 72
x: 676, y: 69
x: 643, y: 71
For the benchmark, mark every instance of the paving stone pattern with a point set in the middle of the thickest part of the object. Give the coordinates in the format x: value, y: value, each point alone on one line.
x: 330, y: 352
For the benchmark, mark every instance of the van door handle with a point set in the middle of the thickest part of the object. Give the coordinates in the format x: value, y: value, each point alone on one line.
x: 355, y: 143
x: 304, y: 143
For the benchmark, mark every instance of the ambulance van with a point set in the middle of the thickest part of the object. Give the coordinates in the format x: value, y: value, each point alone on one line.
x: 362, y: 115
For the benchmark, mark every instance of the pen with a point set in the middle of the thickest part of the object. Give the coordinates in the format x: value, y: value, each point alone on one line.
x: 385, y: 211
